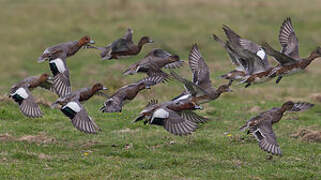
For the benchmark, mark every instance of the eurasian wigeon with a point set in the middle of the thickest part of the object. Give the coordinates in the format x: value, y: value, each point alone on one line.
x: 20, y: 93
x: 127, y: 93
x: 72, y: 108
x: 200, y: 89
x: 261, y: 126
x: 66, y: 49
x: 123, y: 47
x: 288, y: 58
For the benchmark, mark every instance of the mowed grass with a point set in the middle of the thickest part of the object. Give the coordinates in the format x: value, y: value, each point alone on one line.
x: 51, y: 148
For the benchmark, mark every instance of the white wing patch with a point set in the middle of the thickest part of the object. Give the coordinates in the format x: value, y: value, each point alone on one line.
x: 73, y: 105
x: 261, y: 53
x: 46, y: 51
x: 183, y: 97
x: 60, y: 65
x: 21, y: 92
x: 160, y: 113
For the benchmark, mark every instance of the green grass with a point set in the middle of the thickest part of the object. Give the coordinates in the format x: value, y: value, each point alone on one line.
x: 133, y: 151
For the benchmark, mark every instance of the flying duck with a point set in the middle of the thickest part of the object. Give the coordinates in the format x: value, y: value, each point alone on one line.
x: 64, y: 50
x: 152, y: 63
x: 250, y: 55
x: 72, y: 108
x: 175, y: 116
x: 123, y: 47
x: 127, y: 93
x: 288, y: 58
x: 261, y: 126
x: 200, y: 89
x: 20, y: 93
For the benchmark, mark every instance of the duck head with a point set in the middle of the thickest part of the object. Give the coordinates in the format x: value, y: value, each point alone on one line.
x: 145, y: 40
x: 44, y: 77
x: 85, y: 40
x: 97, y: 87
x: 111, y: 106
x: 224, y: 88
x: 315, y: 54
x: 287, y: 106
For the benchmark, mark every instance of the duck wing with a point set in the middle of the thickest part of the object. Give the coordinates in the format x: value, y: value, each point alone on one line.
x: 283, y: 59
x: 236, y: 60
x: 61, y: 80
x: 174, y: 123
x: 301, y: 106
x: 26, y: 102
x: 266, y: 137
x: 79, y: 117
x: 190, y: 87
x: 200, y: 70
x: 288, y: 39
x: 120, y: 45
x: 191, y: 116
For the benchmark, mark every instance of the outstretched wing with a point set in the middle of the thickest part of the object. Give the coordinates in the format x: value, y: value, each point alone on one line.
x: 301, y: 106
x: 176, y: 125
x: 26, y: 102
x: 61, y: 81
x: 288, y: 39
x: 280, y: 57
x: 200, y: 70
x: 79, y: 117
x: 266, y: 137
x: 120, y: 45
x: 191, y: 116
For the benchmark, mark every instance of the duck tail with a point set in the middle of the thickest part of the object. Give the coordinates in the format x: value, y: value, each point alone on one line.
x: 216, y: 38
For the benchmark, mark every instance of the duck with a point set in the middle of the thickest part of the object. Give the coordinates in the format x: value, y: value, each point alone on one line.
x: 200, y: 89
x: 177, y: 116
x: 123, y: 47
x: 153, y: 62
x: 65, y: 49
x: 261, y: 126
x: 251, y: 56
x: 21, y: 94
x: 72, y: 108
x: 288, y: 58
x: 127, y: 93
x: 239, y: 72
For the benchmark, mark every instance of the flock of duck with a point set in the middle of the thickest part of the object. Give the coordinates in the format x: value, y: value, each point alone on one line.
x: 177, y: 115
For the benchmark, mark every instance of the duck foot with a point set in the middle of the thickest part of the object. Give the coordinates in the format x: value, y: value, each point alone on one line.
x: 247, y: 85
x: 279, y: 79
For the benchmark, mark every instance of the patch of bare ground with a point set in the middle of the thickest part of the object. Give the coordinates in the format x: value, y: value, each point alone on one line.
x: 308, y: 135
x: 316, y: 97
x: 41, y: 138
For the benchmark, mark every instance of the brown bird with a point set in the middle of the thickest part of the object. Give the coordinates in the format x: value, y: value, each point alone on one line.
x: 288, y: 58
x: 153, y: 62
x: 72, y: 108
x: 123, y: 47
x: 127, y: 93
x: 20, y: 93
x: 200, y: 89
x: 175, y: 116
x: 64, y: 50
x: 261, y: 126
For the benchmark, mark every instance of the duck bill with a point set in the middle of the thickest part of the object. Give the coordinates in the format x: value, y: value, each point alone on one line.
x: 150, y: 41
x: 104, y: 88
x: 198, y: 107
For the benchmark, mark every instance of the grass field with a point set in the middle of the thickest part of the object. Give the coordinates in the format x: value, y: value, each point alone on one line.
x: 51, y: 148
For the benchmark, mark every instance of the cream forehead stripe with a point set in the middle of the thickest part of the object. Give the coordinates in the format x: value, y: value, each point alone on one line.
x: 60, y: 64
x: 261, y: 53
x: 21, y: 92
x: 74, y: 106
